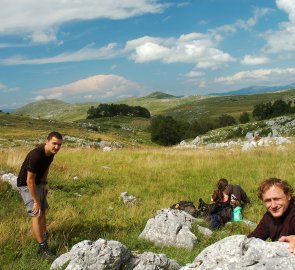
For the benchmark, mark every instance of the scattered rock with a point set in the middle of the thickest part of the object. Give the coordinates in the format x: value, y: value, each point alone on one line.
x: 127, y: 198
x: 11, y: 179
x: 240, y: 252
x: 105, y: 255
x: 170, y: 227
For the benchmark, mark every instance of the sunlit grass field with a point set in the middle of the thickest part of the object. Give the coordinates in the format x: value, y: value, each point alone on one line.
x: 89, y: 207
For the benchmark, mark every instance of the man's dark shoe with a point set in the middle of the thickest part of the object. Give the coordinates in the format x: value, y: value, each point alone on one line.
x: 45, y: 252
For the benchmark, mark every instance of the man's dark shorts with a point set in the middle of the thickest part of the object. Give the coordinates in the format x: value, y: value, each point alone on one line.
x: 28, y: 200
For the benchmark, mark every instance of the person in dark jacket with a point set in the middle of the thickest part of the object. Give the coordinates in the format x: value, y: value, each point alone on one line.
x: 278, y: 223
x: 235, y: 192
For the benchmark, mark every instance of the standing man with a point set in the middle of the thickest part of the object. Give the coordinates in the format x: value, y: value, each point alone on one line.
x: 32, y: 185
x: 278, y: 223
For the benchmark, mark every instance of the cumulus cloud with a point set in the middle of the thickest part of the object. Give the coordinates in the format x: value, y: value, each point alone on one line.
x: 254, y: 60
x: 193, y: 48
x: 94, y: 87
x: 196, y: 48
x: 40, y: 19
x: 265, y: 76
x: 283, y: 40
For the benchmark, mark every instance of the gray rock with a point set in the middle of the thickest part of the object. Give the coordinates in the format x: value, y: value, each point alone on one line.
x: 238, y: 252
x: 99, y: 255
x: 11, y: 179
x: 127, y: 198
x: 106, y: 255
x: 204, y: 231
x: 170, y: 227
x: 152, y: 261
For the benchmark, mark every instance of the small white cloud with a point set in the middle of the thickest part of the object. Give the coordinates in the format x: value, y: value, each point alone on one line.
x: 254, y: 60
x: 95, y: 87
x: 2, y: 86
x: 193, y: 74
x: 6, y: 89
x: 266, y: 76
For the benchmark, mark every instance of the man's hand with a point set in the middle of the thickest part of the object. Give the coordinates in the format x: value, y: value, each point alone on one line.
x: 291, y: 240
x: 36, y: 208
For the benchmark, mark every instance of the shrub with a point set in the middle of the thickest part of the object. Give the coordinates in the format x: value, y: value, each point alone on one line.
x: 165, y: 130
x: 244, y: 118
x: 226, y: 120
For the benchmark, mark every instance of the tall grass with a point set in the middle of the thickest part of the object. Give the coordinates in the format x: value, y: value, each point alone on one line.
x: 89, y: 207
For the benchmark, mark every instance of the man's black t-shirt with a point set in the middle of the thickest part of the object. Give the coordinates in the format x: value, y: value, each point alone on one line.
x: 274, y: 228
x: 36, y: 162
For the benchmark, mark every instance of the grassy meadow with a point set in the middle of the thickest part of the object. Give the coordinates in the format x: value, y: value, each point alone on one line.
x: 89, y: 207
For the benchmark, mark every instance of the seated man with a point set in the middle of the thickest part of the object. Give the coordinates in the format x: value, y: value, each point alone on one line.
x: 278, y: 223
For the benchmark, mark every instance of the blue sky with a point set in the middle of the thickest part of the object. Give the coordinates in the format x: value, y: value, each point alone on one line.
x: 104, y: 50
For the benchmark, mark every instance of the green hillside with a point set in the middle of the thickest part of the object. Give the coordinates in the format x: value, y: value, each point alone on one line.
x: 185, y: 108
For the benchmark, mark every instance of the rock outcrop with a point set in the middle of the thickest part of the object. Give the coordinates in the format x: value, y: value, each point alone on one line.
x: 239, y: 252
x: 170, y: 227
x: 105, y: 255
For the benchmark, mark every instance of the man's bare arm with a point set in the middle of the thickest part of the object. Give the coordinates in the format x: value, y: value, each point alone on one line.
x: 32, y: 188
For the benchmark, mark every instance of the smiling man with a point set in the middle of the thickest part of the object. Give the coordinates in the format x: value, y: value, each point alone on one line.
x: 278, y: 223
x: 32, y: 185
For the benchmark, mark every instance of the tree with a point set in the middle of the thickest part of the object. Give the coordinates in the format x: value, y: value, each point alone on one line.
x: 226, y: 120
x: 165, y: 130
x: 111, y: 110
x: 244, y: 118
x: 263, y: 111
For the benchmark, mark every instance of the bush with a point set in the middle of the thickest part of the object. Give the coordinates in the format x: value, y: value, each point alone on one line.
x: 226, y: 120
x: 269, y: 110
x: 165, y: 130
x: 244, y: 118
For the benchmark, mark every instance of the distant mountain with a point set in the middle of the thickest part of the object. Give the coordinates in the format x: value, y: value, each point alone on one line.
x: 255, y: 90
x: 7, y: 110
x: 159, y: 95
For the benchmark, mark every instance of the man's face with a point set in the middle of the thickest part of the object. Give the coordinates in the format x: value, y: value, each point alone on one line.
x: 276, y: 201
x: 52, y: 146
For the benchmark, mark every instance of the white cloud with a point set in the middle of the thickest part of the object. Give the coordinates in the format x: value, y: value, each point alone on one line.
x: 95, y: 87
x: 193, y: 48
x: 283, y: 40
x: 265, y: 76
x: 37, y: 18
x: 2, y: 86
x: 89, y: 52
x: 193, y: 74
x: 254, y: 60
x: 244, y: 24
x: 196, y: 48
x: 6, y: 89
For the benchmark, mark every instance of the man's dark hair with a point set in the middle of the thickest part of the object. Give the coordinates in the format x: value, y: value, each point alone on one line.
x: 54, y: 134
x: 268, y: 183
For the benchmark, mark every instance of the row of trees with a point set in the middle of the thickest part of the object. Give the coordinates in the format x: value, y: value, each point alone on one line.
x: 167, y: 131
x: 269, y: 110
x: 111, y: 110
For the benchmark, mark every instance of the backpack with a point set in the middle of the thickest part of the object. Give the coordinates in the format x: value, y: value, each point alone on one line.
x: 186, y: 206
